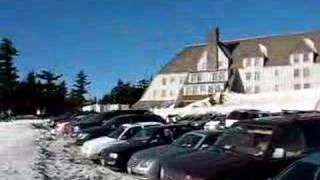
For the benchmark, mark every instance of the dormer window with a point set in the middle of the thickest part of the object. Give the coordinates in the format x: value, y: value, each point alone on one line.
x: 246, y: 62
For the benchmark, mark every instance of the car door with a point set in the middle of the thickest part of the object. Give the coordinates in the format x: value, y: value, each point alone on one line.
x: 287, y: 147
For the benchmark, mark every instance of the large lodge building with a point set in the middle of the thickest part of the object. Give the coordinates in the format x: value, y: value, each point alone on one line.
x: 252, y: 65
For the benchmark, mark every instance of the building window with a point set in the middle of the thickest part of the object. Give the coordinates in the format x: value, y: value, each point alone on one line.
x: 172, y: 79
x: 202, y: 88
x: 199, y: 77
x: 221, y: 76
x: 163, y: 93
x: 218, y: 88
x: 210, y: 89
x: 296, y: 73
x: 306, y: 86
x: 155, y: 93
x: 193, y: 78
x: 296, y: 86
x: 256, y: 89
x: 214, y: 77
x: 306, y: 58
x: 276, y: 72
x: 248, y: 76
x: 164, y: 81
x: 306, y: 72
x: 296, y: 58
x: 204, y: 66
x: 257, y: 76
x: 276, y: 87
x: 194, y: 90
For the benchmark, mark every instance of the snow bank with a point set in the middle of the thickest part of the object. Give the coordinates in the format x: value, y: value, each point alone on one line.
x: 274, y: 101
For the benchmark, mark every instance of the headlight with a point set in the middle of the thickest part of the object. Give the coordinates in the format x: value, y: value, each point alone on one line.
x: 113, y: 155
x: 83, y: 136
x: 76, y: 129
x: 145, y: 164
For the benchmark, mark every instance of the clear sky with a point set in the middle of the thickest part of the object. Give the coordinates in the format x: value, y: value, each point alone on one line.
x: 133, y: 39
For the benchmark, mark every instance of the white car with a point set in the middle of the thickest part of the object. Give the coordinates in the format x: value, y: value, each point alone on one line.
x: 91, y: 149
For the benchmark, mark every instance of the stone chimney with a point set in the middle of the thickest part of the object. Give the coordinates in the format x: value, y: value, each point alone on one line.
x: 212, y: 48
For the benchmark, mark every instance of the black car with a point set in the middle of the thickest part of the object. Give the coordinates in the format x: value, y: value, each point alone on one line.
x: 114, y: 123
x: 306, y: 168
x: 99, y: 119
x: 147, y: 163
x: 117, y: 156
x: 250, y: 149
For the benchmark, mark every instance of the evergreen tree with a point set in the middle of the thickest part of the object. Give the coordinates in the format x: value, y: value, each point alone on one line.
x: 50, y: 92
x: 8, y: 73
x: 80, y: 89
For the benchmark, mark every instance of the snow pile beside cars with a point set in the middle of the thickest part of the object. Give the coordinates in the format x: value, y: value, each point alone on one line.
x: 59, y: 158
x: 307, y: 99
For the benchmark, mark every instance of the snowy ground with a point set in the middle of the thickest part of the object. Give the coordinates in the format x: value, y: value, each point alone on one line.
x: 17, y: 151
x: 30, y: 153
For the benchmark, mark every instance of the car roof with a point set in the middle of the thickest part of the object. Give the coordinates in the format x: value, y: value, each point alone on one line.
x: 141, y: 124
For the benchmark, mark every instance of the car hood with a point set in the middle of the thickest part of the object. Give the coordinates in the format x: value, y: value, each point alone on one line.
x: 206, y: 164
x: 161, y: 153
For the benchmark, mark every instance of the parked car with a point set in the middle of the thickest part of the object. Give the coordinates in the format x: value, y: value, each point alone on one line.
x: 66, y: 126
x: 147, y: 163
x: 250, y: 149
x: 306, y: 168
x: 113, y: 123
x: 235, y: 116
x: 118, y: 155
x: 103, y: 117
x: 91, y: 149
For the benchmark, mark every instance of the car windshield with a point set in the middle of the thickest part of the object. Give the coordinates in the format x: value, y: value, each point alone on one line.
x: 116, y: 133
x: 246, y: 139
x: 189, y: 140
x: 145, y: 133
x: 301, y: 170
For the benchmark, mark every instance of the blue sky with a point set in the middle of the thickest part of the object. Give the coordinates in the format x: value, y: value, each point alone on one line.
x: 132, y: 39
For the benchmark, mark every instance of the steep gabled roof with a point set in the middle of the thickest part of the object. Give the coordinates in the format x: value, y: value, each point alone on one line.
x: 185, y: 61
x: 279, y: 48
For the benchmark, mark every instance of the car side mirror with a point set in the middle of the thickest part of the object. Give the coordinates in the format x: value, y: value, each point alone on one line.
x: 204, y: 146
x: 278, y: 153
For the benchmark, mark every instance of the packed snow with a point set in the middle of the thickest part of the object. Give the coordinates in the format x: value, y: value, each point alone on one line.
x: 32, y: 154
x: 17, y: 150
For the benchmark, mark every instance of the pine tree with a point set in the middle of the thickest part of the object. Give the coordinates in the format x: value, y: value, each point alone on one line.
x: 8, y: 73
x: 80, y: 89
